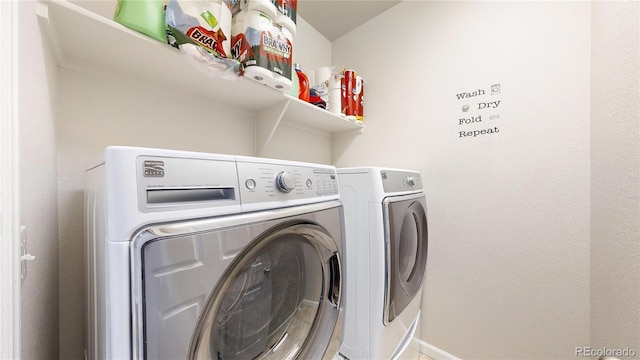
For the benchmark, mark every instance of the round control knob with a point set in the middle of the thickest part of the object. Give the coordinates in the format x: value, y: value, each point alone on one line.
x: 410, y: 181
x: 285, y: 181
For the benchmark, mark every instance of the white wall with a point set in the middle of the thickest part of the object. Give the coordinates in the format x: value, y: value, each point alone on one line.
x: 98, y: 110
x: 311, y: 49
x: 38, y: 189
x: 508, y: 268
x: 615, y: 175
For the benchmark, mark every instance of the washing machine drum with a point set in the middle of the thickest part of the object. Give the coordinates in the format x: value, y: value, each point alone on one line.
x: 277, y: 299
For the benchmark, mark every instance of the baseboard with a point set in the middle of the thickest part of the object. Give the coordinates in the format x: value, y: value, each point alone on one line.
x: 433, y: 352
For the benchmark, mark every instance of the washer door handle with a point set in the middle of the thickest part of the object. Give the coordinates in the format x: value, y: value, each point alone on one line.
x: 334, y: 281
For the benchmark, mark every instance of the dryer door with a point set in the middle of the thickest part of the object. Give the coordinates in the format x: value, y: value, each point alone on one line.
x: 243, y: 289
x: 406, y: 244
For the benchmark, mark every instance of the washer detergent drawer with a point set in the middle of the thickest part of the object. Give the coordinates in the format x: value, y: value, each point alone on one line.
x: 243, y: 288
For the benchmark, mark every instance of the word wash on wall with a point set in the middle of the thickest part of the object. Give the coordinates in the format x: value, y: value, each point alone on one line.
x: 479, y: 112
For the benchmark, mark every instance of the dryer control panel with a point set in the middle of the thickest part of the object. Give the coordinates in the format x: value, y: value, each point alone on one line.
x: 267, y: 182
x: 396, y: 181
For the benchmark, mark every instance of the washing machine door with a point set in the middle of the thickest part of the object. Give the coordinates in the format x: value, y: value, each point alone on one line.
x: 406, y: 245
x: 248, y: 287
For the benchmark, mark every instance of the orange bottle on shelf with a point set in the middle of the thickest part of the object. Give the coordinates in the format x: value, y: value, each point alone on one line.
x: 303, y: 93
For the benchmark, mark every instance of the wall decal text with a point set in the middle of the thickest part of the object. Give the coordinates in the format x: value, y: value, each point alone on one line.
x: 483, y: 122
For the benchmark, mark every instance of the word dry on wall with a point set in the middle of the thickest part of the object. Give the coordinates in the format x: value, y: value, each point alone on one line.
x: 479, y: 118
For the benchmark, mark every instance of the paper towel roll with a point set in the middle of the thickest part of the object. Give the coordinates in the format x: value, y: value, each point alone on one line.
x: 322, y: 76
x: 259, y: 74
x: 283, y: 81
x: 334, y: 102
x: 208, y: 24
x: 260, y: 43
x: 286, y: 21
x: 268, y: 7
x: 334, y: 81
x: 287, y: 14
x: 243, y: 39
x: 359, y: 97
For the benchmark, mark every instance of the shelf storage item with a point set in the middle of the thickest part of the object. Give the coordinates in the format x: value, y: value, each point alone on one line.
x: 84, y: 41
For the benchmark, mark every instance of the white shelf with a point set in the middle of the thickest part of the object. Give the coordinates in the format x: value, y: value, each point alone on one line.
x: 84, y: 41
x: 299, y: 112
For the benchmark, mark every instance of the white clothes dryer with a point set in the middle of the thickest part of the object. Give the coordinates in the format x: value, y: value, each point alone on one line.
x: 386, y: 242
x: 203, y: 256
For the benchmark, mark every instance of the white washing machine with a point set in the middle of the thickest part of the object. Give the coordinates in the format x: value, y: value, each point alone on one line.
x: 203, y: 256
x: 386, y: 243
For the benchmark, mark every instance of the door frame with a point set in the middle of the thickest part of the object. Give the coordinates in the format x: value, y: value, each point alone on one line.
x: 9, y: 184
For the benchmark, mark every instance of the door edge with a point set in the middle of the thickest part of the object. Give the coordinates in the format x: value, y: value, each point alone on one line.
x: 9, y: 186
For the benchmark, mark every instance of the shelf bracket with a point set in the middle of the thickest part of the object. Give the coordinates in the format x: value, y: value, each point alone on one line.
x: 47, y: 31
x: 347, y: 133
x: 267, y: 122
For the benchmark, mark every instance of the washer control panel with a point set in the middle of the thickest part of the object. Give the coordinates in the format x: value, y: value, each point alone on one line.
x: 285, y: 181
x: 264, y: 182
x: 185, y: 183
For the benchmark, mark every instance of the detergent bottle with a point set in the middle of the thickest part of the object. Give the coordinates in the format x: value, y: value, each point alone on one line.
x: 303, y: 81
x: 295, y: 85
x: 144, y: 16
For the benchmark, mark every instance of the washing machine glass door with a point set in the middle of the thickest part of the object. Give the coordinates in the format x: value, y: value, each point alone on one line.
x: 278, y: 300
x: 253, y: 286
x: 406, y: 242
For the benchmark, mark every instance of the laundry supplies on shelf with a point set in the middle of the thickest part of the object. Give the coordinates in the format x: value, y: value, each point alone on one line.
x: 264, y: 48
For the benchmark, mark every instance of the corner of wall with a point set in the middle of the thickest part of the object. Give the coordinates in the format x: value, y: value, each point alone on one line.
x: 615, y: 175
